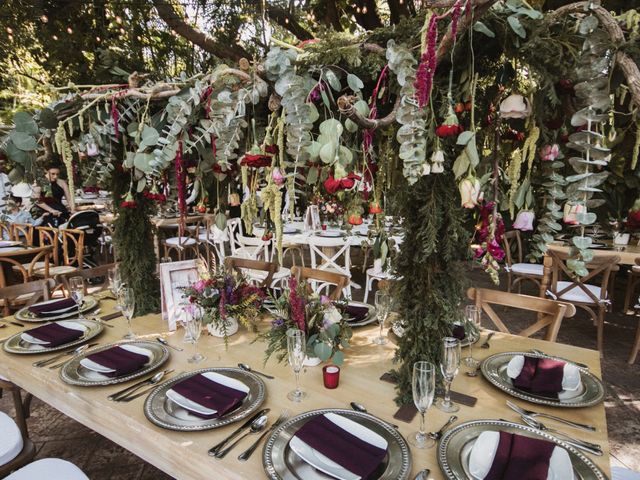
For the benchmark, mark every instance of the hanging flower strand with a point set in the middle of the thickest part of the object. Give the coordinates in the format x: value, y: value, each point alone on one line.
x: 428, y: 63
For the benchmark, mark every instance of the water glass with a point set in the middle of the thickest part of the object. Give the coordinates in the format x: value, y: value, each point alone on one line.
x: 449, y: 369
x: 127, y: 302
x: 193, y: 326
x: 76, y: 289
x: 473, y: 315
x: 297, y: 350
x: 115, y: 283
x: 423, y: 386
x: 383, y: 305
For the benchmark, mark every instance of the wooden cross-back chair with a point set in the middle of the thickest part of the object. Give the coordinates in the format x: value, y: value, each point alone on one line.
x: 258, y: 271
x: 25, y: 271
x: 22, y: 232
x: 332, y: 255
x: 321, y: 280
x: 592, y: 297
x: 25, y: 294
x: 517, y: 270
x: 550, y: 312
x: 99, y: 272
x: 5, y: 231
x: 181, y: 245
x: 49, y: 236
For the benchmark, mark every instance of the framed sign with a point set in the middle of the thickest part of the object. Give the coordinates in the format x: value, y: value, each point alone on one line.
x: 173, y: 277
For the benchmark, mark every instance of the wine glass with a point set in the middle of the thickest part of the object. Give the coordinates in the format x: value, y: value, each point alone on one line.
x: 193, y: 326
x: 472, y: 313
x: 76, y: 289
x: 297, y: 349
x: 127, y: 305
x: 383, y: 305
x: 423, y: 386
x: 115, y: 283
x: 449, y: 367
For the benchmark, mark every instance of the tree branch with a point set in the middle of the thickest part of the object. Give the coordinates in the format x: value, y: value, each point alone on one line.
x: 194, y: 35
x: 347, y: 109
x: 288, y: 22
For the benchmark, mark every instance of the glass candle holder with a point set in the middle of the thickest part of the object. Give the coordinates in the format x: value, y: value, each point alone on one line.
x: 324, y: 226
x: 331, y: 376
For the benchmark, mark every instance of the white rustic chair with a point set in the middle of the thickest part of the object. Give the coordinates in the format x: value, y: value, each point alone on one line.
x: 332, y: 255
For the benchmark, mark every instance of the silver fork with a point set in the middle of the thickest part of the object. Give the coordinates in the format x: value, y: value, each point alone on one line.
x: 244, y: 456
x: 530, y: 413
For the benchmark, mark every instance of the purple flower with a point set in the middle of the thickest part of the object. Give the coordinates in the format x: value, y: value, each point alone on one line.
x: 278, y: 322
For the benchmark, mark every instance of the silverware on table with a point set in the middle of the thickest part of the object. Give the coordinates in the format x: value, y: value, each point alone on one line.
x: 436, y: 435
x: 486, y: 342
x: 532, y: 414
x: 581, y: 444
x: 358, y: 407
x: 130, y: 397
x: 540, y: 352
x: 244, y: 456
x: 256, y: 426
x: 75, y: 351
x: 17, y: 324
x: 118, y: 396
x: 213, y: 450
x: 167, y: 344
x: 247, y: 368
x: 423, y: 474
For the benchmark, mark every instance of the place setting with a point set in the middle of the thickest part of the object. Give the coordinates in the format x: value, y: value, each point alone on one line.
x: 53, y: 336
x: 56, y: 309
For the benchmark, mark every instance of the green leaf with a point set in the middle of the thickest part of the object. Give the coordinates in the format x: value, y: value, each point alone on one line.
x: 142, y: 161
x: 465, y: 137
x: 313, y: 113
x: 141, y: 184
x: 24, y: 122
x: 472, y: 153
x: 338, y: 358
x: 322, y: 351
x: 461, y: 165
x: 332, y: 79
x: 482, y: 28
x: 582, y: 242
x: 354, y: 82
x: 23, y: 141
x: 325, y: 99
x: 516, y: 26
x: 312, y: 176
x: 221, y: 221
x: 350, y: 126
x: 48, y: 119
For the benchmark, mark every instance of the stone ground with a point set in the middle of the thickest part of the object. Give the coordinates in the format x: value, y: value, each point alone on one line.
x: 57, y: 435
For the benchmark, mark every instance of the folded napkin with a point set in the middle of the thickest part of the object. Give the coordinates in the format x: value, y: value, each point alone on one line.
x: 55, y: 334
x: 356, y: 312
x: 458, y: 332
x: 520, y: 458
x: 53, y: 308
x: 340, y: 446
x: 540, y: 375
x: 120, y: 360
x: 213, y: 395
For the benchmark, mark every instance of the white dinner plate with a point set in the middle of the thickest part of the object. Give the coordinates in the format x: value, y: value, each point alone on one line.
x: 96, y: 367
x: 328, y: 466
x: 67, y: 324
x: 330, y: 233
x: 53, y: 313
x: 187, y: 404
x: 571, y: 381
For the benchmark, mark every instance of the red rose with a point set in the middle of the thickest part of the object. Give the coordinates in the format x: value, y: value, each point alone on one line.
x: 449, y: 130
x: 255, y: 161
x: 331, y: 185
x: 272, y: 149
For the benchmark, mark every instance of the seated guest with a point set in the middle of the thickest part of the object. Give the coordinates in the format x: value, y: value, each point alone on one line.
x: 16, y: 214
x: 54, y: 190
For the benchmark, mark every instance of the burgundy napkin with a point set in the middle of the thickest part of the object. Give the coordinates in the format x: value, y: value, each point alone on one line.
x: 44, y: 310
x: 120, y: 360
x: 210, y: 394
x: 338, y: 445
x: 458, y: 332
x: 520, y: 458
x: 541, y: 375
x: 356, y: 312
x: 55, y: 334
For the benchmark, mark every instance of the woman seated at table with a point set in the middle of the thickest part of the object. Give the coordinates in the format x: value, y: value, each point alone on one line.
x: 55, y: 189
x: 17, y: 214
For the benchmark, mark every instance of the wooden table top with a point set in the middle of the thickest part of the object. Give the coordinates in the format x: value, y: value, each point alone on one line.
x: 184, y: 454
x: 627, y: 256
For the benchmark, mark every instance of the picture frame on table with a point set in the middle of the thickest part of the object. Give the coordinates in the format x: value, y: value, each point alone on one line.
x: 173, y: 277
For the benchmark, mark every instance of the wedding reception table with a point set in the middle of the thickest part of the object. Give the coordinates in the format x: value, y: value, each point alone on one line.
x: 627, y: 256
x: 184, y: 454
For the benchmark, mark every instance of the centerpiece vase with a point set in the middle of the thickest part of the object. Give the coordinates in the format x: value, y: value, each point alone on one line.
x: 312, y: 361
x: 216, y: 329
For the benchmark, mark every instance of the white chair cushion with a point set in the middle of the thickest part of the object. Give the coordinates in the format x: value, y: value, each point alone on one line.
x: 56, y: 270
x: 636, y: 268
x: 180, y: 241
x: 36, y: 266
x: 528, y: 269
x: 49, y: 468
x: 576, y: 294
x: 618, y: 473
x: 371, y: 272
x: 10, y: 439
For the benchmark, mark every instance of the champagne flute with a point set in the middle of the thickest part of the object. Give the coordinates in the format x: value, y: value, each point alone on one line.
x: 115, y: 283
x: 127, y: 305
x: 193, y: 326
x: 472, y: 313
x: 76, y: 290
x: 297, y: 349
x: 423, y: 386
x: 383, y: 305
x: 449, y: 367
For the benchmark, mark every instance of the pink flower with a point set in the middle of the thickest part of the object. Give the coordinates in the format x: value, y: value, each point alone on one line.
x: 548, y: 153
x: 199, y: 286
x: 495, y: 250
x: 470, y: 192
x: 524, y: 220
x: 278, y: 177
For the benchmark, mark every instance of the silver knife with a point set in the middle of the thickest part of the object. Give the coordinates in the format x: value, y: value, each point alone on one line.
x: 213, y: 450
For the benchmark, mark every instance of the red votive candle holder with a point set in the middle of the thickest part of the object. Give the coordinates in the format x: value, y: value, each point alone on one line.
x: 331, y: 376
x: 324, y: 226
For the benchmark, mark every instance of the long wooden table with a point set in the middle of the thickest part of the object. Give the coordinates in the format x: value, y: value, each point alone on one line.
x: 184, y: 455
x: 627, y: 255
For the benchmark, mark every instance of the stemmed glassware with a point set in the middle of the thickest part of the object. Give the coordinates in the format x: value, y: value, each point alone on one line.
x: 127, y: 302
x: 383, y: 305
x: 472, y: 313
x: 297, y: 349
x: 193, y: 326
x: 449, y: 367
x: 76, y: 290
x: 115, y: 283
x: 423, y: 385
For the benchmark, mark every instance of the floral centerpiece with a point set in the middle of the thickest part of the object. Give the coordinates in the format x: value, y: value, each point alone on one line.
x: 226, y: 299
x: 331, y: 210
x: 326, y: 329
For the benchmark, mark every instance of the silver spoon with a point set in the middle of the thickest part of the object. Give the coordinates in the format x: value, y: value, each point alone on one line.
x: 486, y: 342
x: 581, y: 444
x: 75, y: 351
x: 358, y: 407
x: 247, y: 368
x: 423, y: 474
x: 256, y: 427
x: 438, y: 434
x: 166, y: 344
x: 129, y: 390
